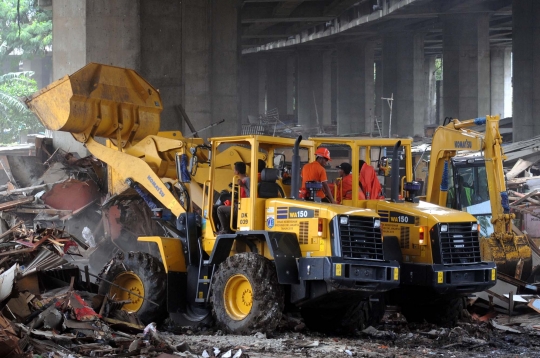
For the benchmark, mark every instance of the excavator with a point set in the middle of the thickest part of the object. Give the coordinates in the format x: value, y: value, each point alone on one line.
x: 325, y: 260
x: 438, y: 248
x: 476, y: 184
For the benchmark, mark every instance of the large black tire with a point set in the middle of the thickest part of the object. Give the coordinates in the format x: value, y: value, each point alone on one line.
x: 447, y: 311
x: 246, y: 295
x: 144, y: 275
x: 340, y: 320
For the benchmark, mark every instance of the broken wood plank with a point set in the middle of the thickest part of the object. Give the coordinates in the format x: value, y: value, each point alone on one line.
x: 41, y: 211
x: 29, y: 188
x: 13, y: 203
x: 521, y: 165
x: 524, y: 197
x: 15, y: 227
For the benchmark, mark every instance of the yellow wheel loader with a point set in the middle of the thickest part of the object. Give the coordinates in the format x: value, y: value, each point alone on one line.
x: 325, y: 260
x: 476, y: 184
x: 438, y: 248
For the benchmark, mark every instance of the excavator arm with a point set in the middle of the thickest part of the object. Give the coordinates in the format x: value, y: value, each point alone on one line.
x: 511, y: 252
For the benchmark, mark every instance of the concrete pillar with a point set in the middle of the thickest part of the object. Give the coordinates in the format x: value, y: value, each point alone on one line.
x: 466, y: 65
x: 430, y: 116
x: 378, y: 93
x: 326, y: 117
x: 250, y: 87
x: 161, y: 57
x: 403, y: 76
x: 355, y: 88
x: 526, y: 68
x: 310, y: 93
x: 276, y: 91
x: 210, y: 56
x: 90, y: 31
x: 225, y: 52
x: 501, y: 81
x: 291, y: 82
x: 262, y: 86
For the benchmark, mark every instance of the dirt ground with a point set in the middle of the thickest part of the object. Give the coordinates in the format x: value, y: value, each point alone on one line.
x: 389, y: 340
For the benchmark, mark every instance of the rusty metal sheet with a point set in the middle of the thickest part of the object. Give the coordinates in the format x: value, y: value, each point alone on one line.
x: 71, y: 195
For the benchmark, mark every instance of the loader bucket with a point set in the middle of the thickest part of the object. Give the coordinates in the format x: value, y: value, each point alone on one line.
x: 100, y: 101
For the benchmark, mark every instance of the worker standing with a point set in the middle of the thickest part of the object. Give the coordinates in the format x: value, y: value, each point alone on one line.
x: 315, y: 171
x: 369, y: 183
x: 344, y: 184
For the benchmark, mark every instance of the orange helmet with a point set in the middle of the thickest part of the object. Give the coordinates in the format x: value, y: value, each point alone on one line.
x: 323, y: 152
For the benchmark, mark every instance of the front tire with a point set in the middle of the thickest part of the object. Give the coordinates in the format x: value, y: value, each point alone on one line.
x: 142, y: 274
x: 247, y: 297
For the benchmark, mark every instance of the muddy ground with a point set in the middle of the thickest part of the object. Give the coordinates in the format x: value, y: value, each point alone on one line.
x: 468, y: 339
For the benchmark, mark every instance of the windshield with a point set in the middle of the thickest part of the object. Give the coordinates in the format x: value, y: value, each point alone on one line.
x: 469, y: 192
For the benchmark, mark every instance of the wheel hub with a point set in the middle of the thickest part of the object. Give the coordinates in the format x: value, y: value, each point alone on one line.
x: 238, y: 297
x: 128, y: 281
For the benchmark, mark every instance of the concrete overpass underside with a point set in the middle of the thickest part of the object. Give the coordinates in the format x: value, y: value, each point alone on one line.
x: 320, y: 63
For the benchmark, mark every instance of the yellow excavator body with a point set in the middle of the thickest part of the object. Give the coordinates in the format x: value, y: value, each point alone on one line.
x: 511, y: 252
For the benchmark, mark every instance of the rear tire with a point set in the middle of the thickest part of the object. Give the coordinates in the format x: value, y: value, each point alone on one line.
x: 447, y: 311
x: 341, y: 320
x: 247, y: 297
x: 142, y: 274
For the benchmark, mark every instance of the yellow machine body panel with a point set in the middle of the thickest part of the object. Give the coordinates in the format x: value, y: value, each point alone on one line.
x: 406, y: 221
x: 169, y: 249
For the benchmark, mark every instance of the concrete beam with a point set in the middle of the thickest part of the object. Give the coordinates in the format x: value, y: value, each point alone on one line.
x: 288, y: 19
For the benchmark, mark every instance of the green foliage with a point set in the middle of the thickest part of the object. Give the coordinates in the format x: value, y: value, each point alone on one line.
x: 438, y: 69
x: 26, y: 31
x: 15, y: 118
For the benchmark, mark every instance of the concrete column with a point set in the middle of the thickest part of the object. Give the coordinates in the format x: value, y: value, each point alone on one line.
x: 276, y: 91
x: 430, y: 116
x: 262, y: 86
x: 161, y: 57
x: 378, y: 92
x: 355, y: 88
x: 310, y: 78
x: 291, y: 81
x: 250, y: 87
x: 466, y: 65
x: 90, y: 31
x: 225, y: 54
x: 501, y: 81
x: 403, y: 76
x: 326, y: 117
x: 526, y: 68
x: 210, y: 54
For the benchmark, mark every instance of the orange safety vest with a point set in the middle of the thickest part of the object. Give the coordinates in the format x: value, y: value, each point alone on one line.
x: 370, y: 183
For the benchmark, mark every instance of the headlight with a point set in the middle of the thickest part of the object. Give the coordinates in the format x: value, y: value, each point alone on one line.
x: 344, y: 220
x: 474, y: 227
x: 377, y: 223
x: 444, y: 228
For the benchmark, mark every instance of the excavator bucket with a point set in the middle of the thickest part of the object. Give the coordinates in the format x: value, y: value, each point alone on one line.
x: 100, y: 101
x: 511, y: 254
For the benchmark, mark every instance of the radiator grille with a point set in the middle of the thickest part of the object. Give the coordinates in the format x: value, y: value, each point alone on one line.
x: 360, y: 240
x: 404, y: 237
x: 460, y: 245
x: 304, y: 230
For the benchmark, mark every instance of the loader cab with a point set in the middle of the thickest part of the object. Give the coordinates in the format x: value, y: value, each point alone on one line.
x: 375, y: 152
x: 274, y: 181
x: 468, y: 190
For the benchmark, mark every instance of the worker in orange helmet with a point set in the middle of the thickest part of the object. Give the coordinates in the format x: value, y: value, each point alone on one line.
x: 369, y: 183
x: 315, y: 171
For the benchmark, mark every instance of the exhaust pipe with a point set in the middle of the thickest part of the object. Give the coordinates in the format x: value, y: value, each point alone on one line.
x: 394, y: 173
x: 295, y: 184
